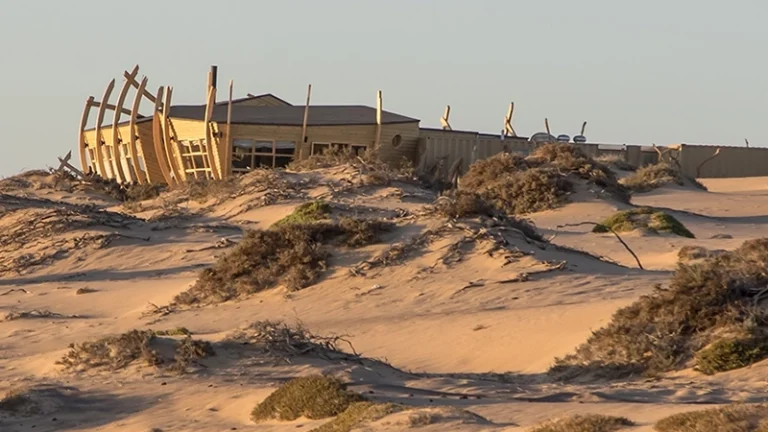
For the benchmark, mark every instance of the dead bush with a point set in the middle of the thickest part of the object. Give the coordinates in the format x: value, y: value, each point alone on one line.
x: 291, y: 254
x: 337, y: 156
x: 118, y: 352
x: 662, y: 331
x: 460, y: 204
x: 539, y: 182
x: 143, y: 192
x: 651, y: 177
x: 615, y: 162
x: 585, y: 423
x: 731, y: 418
x: 314, y: 397
x: 204, y: 190
x: 19, y: 402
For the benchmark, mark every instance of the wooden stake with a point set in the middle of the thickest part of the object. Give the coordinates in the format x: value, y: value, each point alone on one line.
x: 378, y: 120
x: 444, y: 119
x: 583, y: 128
x: 227, y: 169
x: 304, y: 124
x: 546, y: 125
x: 209, y: 106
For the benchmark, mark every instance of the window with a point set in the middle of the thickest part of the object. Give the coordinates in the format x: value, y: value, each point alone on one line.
x: 248, y: 154
x: 397, y: 140
x: 356, y: 149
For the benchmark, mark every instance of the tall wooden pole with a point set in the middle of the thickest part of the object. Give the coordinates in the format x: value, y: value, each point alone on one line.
x: 227, y: 170
x: 378, y: 121
x: 300, y: 147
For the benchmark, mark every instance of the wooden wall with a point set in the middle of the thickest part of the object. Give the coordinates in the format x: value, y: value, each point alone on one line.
x: 731, y: 162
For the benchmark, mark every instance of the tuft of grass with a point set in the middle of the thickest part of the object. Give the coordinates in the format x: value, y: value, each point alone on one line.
x: 178, y: 331
x: 539, y: 182
x: 291, y: 254
x: 731, y: 418
x: 644, y: 218
x: 585, y: 423
x: 663, y: 331
x: 357, y: 414
x: 731, y: 353
x: 314, y: 397
x: 308, y: 212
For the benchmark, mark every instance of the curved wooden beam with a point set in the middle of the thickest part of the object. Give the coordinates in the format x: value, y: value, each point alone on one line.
x: 99, y: 120
x: 209, y: 133
x: 157, y: 133
x: 134, y: 131
x: 171, y: 151
x: 81, y: 139
x: 508, y: 129
x: 117, y: 154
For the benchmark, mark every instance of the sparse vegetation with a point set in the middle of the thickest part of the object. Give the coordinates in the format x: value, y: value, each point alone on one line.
x: 585, y: 423
x: 18, y: 402
x: 118, y: 352
x: 651, y: 177
x: 142, y: 192
x: 308, y: 212
x: 731, y: 353
x: 731, y: 418
x: 357, y: 414
x: 291, y: 254
x: 540, y: 182
x: 643, y: 218
x: 616, y: 162
x: 663, y: 331
x: 314, y: 397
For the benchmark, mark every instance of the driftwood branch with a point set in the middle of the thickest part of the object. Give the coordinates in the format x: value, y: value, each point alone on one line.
x: 521, y: 277
x: 618, y: 237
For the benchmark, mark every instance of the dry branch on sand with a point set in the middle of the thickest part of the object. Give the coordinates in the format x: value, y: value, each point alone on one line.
x: 706, y: 302
x: 611, y: 230
x: 36, y: 313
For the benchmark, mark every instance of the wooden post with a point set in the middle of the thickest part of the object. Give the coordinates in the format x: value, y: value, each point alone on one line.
x: 546, y: 125
x: 214, y: 79
x: 508, y: 129
x: 378, y: 121
x: 81, y: 137
x: 102, y: 167
x: 304, y: 125
x: 134, y: 132
x: 227, y: 169
x: 157, y: 134
x: 444, y: 119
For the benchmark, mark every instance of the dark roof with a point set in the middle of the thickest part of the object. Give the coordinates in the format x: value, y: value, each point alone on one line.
x: 477, y: 134
x: 251, y: 97
x: 319, y: 115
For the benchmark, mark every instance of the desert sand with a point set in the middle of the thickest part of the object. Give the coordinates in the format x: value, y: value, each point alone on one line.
x: 427, y: 336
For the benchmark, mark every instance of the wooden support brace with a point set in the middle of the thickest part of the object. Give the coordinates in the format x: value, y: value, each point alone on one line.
x: 508, y: 129
x: 82, y: 146
x: 446, y: 125
x: 146, y: 93
x: 300, y: 148
x: 134, y: 132
x: 99, y: 138
x: 227, y: 168
x: 157, y: 133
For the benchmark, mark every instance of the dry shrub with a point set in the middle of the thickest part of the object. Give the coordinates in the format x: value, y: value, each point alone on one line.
x: 143, y: 192
x: 336, y: 156
x: 204, y: 190
x: 616, y: 162
x: 539, y: 182
x: 651, y: 177
x: 291, y: 254
x: 705, y: 302
x: 731, y: 418
x: 585, y: 423
x: 118, y: 352
x: 644, y: 218
x: 19, y: 402
x: 358, y: 414
x: 314, y: 397
x: 692, y: 253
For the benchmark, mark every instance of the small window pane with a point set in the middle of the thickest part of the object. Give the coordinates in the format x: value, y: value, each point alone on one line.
x: 242, y: 143
x: 263, y: 147
x: 285, y: 147
x: 282, y: 161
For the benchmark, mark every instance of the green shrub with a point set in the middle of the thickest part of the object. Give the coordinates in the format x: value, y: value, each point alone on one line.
x: 357, y: 414
x: 308, y: 212
x: 314, y: 397
x: 662, y: 331
x: 643, y: 218
x: 732, y: 418
x: 731, y: 353
x: 585, y: 423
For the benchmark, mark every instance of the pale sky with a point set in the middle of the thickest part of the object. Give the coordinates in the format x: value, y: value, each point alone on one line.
x: 656, y: 71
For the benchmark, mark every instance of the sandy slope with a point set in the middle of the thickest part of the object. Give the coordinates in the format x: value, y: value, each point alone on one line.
x: 446, y: 346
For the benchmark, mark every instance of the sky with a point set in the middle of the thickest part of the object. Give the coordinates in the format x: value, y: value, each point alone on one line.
x: 656, y: 71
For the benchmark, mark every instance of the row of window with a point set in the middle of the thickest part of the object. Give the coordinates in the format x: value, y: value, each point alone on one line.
x: 248, y: 154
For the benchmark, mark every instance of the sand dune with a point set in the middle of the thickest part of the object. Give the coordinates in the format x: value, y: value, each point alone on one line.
x: 462, y: 329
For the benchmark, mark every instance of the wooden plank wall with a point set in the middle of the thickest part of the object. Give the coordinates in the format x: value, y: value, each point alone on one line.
x: 732, y: 162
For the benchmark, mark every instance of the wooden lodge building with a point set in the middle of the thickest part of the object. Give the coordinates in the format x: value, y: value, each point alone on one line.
x: 218, y: 139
